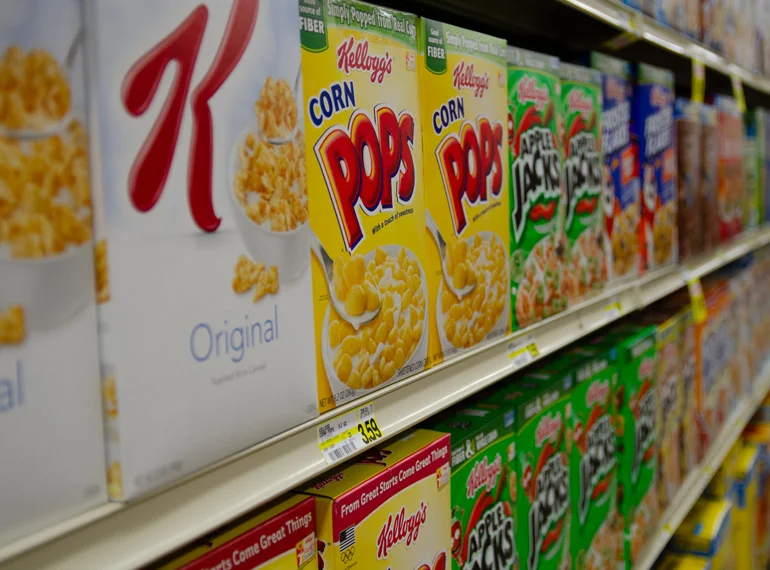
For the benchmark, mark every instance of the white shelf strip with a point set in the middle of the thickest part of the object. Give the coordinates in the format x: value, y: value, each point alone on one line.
x: 129, y: 536
x: 697, y: 480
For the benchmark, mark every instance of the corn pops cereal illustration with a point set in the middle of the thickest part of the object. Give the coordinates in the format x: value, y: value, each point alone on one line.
x: 364, y: 180
x: 463, y: 89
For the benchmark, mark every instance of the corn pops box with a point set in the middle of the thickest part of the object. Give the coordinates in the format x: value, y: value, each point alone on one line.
x: 620, y: 193
x: 203, y: 242
x: 389, y: 509
x: 583, y: 178
x: 365, y: 194
x: 706, y: 531
x: 538, y: 247
x: 745, y: 502
x: 482, y: 531
x: 653, y: 129
x: 730, y: 193
x: 596, y: 527
x: 282, y: 537
x: 463, y: 82
x: 51, y: 440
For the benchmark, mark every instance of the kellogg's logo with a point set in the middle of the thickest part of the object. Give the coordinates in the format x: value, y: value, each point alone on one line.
x: 463, y: 77
x: 578, y: 102
x: 597, y: 392
x: 527, y: 91
x: 659, y: 96
x: 547, y: 428
x: 353, y: 55
x: 615, y: 89
x: 385, y: 143
x: 483, y: 475
x: 400, y: 528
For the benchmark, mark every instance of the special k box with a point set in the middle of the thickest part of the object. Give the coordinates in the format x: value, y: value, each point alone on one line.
x: 204, y: 244
x: 653, y: 126
x: 463, y: 99
x: 51, y: 446
x: 389, y: 509
x: 282, y: 537
x: 367, y: 216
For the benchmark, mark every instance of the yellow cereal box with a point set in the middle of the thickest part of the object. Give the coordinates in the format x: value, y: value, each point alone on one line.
x: 683, y: 562
x: 390, y: 509
x: 706, y: 531
x: 365, y: 196
x: 745, y: 500
x: 281, y: 537
x: 463, y: 109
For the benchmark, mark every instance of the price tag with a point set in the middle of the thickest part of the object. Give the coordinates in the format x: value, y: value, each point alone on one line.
x: 633, y: 34
x: 667, y: 530
x: 740, y: 98
x: 348, y: 433
x: 699, y: 311
x: 522, y: 351
x: 698, y: 81
x: 613, y: 311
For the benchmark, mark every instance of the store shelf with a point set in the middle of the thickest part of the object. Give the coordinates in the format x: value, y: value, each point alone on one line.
x: 636, y: 24
x: 129, y: 536
x: 695, y: 483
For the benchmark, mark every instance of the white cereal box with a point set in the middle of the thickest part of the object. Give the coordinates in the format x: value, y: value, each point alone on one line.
x: 51, y: 447
x: 202, y: 219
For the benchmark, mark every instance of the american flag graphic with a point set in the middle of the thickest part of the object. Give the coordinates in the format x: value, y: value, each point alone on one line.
x: 347, y: 537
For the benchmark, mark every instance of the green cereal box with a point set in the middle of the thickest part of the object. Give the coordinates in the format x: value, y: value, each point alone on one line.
x: 583, y: 176
x: 636, y: 403
x: 597, y: 528
x: 482, y: 531
x: 540, y: 469
x: 537, y: 248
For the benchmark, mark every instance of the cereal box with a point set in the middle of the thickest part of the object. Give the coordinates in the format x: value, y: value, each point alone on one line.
x: 538, y: 249
x: 730, y: 195
x: 202, y: 227
x: 762, y: 126
x: 745, y: 499
x: 636, y: 403
x: 670, y: 12
x: 757, y: 434
x: 365, y: 186
x: 51, y: 445
x: 583, y: 178
x: 683, y: 562
x: 653, y: 128
x: 751, y: 164
x: 541, y: 468
x: 714, y: 24
x: 482, y: 531
x: 463, y: 99
x: 282, y: 537
x: 389, y: 509
x: 688, y: 152
x: 709, y: 176
x: 596, y: 529
x: 620, y: 195
x: 707, y: 531
x: 691, y: 22
x: 690, y: 447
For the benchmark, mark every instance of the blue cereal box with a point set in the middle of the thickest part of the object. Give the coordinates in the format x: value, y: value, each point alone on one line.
x: 652, y: 126
x: 621, y: 193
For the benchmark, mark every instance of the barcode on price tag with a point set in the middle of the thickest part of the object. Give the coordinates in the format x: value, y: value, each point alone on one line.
x: 522, y: 351
x: 346, y: 434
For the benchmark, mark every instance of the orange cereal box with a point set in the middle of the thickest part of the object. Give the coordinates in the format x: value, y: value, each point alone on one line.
x: 365, y: 195
x: 388, y: 510
x: 463, y: 109
x: 281, y: 537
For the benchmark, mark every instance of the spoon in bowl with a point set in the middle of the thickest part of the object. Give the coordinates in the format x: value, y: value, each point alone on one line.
x: 327, y: 263
x: 460, y: 293
x: 27, y: 134
x: 278, y: 141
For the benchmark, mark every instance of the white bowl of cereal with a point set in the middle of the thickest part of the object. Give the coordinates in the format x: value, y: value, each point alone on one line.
x: 266, y: 186
x: 46, y: 253
x: 484, y: 313
x: 401, y: 325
